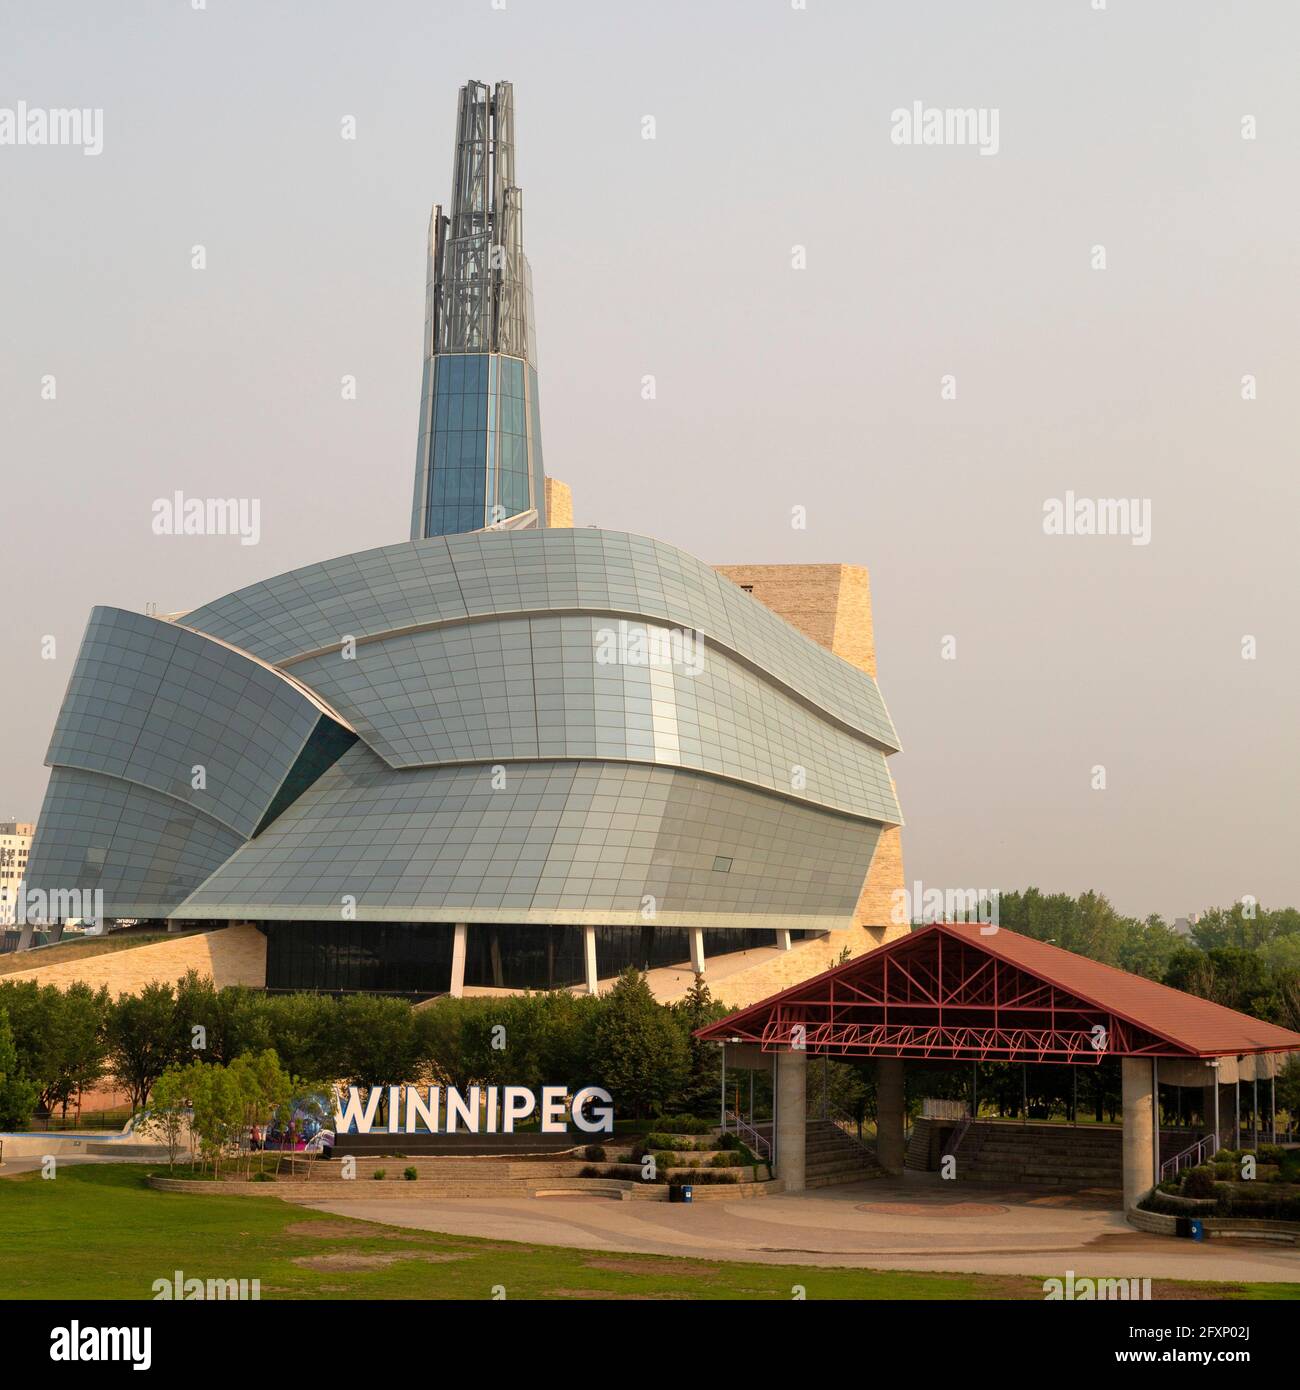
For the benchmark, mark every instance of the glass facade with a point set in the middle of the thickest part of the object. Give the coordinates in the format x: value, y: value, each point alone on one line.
x: 482, y: 444
x: 414, y: 958
x: 377, y: 957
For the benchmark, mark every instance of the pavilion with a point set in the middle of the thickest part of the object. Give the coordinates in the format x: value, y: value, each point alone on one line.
x: 963, y: 992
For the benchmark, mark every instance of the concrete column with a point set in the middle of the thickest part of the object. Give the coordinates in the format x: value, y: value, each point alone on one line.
x: 890, y: 1113
x: 56, y: 932
x: 589, y: 956
x: 1210, y: 1107
x: 25, y: 936
x: 697, y: 950
x: 791, y: 1118
x: 783, y: 942
x: 1139, y: 1129
x: 460, y: 933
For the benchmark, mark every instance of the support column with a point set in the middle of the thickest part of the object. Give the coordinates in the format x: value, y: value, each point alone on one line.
x: 460, y: 934
x: 25, y: 936
x: 589, y: 957
x: 56, y: 932
x: 889, y: 1113
x: 697, y: 950
x: 791, y: 1128
x: 1139, y: 1128
x: 783, y: 942
x: 1210, y: 1110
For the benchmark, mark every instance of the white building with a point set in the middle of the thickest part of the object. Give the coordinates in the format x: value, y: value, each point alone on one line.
x: 15, y: 846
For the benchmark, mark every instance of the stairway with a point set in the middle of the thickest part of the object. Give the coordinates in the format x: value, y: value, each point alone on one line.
x: 1032, y: 1155
x: 833, y: 1156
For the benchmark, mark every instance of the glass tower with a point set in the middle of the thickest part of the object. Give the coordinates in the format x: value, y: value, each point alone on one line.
x: 479, y: 457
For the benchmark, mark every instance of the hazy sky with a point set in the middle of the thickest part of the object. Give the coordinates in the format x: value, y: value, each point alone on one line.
x: 776, y: 387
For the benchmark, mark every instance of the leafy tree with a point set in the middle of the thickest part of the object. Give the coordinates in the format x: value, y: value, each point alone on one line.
x: 17, y: 1093
x: 377, y: 1041
x: 168, y: 1115
x: 696, y: 1009
x: 145, y: 1038
x: 639, y: 1052
x: 79, y: 1050
x: 304, y: 1030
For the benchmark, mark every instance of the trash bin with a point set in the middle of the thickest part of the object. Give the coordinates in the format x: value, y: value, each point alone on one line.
x: 687, y: 1190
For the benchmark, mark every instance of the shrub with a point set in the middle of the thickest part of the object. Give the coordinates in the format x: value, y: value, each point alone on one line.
x: 379, y: 1174
x: 594, y: 1152
x: 1199, y: 1182
x: 591, y: 1172
x: 262, y: 1177
x: 410, y: 1174
x: 682, y: 1124
x: 727, y: 1160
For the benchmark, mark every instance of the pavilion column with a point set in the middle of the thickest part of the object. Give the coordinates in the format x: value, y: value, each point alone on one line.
x: 791, y: 1128
x: 889, y: 1113
x: 697, y: 950
x: 589, y: 957
x: 25, y: 936
x: 1210, y: 1108
x: 1139, y: 1129
x: 460, y: 933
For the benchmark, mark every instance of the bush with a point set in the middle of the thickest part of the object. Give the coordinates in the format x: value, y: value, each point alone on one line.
x: 594, y: 1152
x: 682, y: 1124
x: 590, y: 1172
x: 704, y: 1176
x: 379, y: 1174
x: 727, y: 1160
x: 1199, y: 1182
x: 410, y: 1174
x: 262, y: 1177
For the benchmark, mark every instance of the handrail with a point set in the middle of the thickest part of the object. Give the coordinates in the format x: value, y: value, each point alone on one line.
x: 744, y: 1130
x: 1204, y: 1148
x: 955, y: 1137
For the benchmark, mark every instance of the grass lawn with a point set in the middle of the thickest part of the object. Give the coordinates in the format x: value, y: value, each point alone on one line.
x: 96, y: 1231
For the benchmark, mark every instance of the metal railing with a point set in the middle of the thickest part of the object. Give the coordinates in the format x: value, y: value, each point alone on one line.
x: 1201, y: 1151
x: 956, y: 1136
x: 761, y: 1145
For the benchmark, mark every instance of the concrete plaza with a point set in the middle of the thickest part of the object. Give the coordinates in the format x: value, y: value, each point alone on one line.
x: 917, y: 1222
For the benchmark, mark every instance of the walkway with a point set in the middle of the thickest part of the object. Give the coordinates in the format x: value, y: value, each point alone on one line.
x: 914, y: 1223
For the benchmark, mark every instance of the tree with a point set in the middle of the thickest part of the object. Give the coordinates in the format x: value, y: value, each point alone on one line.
x: 144, y: 1039
x: 639, y: 1054
x: 696, y: 1009
x: 79, y: 1050
x: 377, y: 1041
x: 17, y: 1092
x: 166, y: 1119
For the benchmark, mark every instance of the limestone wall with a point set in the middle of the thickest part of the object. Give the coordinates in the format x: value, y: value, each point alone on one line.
x: 231, y: 956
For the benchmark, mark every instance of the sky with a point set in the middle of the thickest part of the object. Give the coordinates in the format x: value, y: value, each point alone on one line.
x: 921, y: 347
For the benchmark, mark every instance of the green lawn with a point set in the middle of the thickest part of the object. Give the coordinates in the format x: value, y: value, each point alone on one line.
x: 96, y: 1231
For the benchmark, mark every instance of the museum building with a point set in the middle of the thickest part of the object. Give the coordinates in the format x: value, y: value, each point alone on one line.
x: 505, y: 753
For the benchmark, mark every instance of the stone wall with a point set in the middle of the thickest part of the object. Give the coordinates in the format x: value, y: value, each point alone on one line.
x: 231, y: 956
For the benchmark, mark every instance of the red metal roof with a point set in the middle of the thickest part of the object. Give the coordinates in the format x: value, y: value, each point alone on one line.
x: 1191, y: 1026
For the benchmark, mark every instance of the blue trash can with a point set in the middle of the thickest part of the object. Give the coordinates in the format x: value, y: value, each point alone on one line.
x: 687, y: 1192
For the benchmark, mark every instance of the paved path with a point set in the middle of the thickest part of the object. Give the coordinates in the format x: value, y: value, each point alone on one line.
x: 914, y: 1223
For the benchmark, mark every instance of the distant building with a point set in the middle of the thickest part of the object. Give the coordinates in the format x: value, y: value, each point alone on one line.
x: 15, y: 845
x: 1183, y: 926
